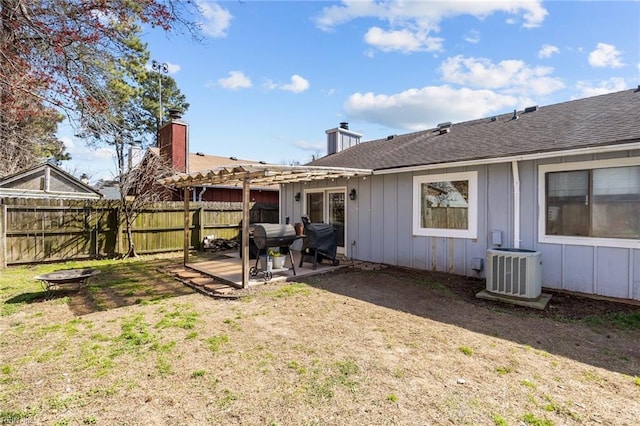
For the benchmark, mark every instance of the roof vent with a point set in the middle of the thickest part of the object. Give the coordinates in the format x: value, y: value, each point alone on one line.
x: 531, y: 109
x: 444, y: 127
x: 262, y: 162
x: 515, y: 115
x: 233, y: 158
x: 390, y: 137
x: 494, y: 118
x: 638, y: 89
x: 200, y: 154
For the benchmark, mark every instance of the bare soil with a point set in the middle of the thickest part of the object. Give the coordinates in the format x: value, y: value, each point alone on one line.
x: 384, y: 347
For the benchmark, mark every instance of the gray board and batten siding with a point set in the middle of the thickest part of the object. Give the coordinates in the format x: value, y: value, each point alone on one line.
x: 379, y: 222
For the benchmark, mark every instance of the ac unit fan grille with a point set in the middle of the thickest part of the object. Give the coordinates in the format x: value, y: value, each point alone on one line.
x: 516, y: 273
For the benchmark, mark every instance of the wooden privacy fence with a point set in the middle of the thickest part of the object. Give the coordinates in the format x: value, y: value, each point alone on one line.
x: 53, y: 230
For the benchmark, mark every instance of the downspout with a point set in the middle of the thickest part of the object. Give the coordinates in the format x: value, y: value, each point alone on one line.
x: 516, y: 204
x: 201, y: 193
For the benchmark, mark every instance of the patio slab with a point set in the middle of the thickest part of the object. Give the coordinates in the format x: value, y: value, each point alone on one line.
x: 228, y: 269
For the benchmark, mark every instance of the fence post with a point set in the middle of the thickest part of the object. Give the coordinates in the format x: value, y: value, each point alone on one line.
x: 3, y: 237
x: 201, y: 227
x: 118, y: 233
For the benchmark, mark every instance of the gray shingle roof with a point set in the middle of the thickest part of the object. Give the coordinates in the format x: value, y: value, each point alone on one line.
x: 608, y: 119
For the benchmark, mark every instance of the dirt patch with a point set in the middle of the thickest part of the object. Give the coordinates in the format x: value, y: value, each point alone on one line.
x: 393, y: 346
x: 562, y: 328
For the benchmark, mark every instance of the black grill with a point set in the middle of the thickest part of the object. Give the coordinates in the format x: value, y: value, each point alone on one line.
x: 271, y: 235
x: 321, y: 242
x: 267, y: 235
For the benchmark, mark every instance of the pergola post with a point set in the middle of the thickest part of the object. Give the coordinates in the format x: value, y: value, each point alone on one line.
x: 186, y: 225
x: 246, y: 192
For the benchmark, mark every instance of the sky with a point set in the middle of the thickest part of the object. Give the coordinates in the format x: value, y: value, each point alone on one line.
x: 270, y: 77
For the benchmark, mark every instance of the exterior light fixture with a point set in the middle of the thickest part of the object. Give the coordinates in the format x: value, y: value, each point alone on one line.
x: 352, y: 194
x: 297, y: 196
x: 160, y: 69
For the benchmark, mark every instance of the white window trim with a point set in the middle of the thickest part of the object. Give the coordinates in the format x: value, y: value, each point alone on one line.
x: 542, y: 203
x: 472, y: 231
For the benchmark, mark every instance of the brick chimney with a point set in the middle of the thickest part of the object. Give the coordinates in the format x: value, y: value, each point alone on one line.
x: 173, y: 141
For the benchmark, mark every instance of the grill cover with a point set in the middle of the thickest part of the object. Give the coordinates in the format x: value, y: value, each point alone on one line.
x: 321, y: 237
x: 273, y: 235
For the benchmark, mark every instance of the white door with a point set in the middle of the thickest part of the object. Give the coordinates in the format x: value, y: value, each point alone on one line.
x: 328, y: 206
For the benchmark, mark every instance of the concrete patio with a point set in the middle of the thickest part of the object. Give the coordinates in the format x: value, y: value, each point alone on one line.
x: 228, y: 269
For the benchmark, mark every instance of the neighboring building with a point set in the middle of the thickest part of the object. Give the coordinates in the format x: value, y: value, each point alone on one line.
x: 46, y: 181
x: 563, y: 180
x: 173, y: 147
x: 109, y: 189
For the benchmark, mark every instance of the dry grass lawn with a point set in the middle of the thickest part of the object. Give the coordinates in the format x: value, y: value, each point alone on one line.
x: 389, y: 347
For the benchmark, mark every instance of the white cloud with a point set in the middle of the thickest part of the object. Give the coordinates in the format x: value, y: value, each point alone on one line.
x: 419, y: 109
x: 298, y: 84
x: 614, y: 84
x: 173, y: 68
x: 605, y: 55
x: 85, y: 152
x: 508, y: 75
x: 402, y: 40
x: 547, y: 50
x: 472, y: 37
x: 216, y: 19
x: 97, y: 163
x: 411, y: 23
x: 236, y: 80
x: 309, y: 146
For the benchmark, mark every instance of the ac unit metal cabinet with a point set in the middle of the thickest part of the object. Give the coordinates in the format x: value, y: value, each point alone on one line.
x: 514, y: 272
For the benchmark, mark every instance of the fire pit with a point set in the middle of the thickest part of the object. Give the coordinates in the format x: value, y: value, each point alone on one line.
x: 53, y: 280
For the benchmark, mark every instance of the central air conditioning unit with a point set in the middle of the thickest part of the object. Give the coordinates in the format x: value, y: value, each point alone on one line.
x: 514, y: 272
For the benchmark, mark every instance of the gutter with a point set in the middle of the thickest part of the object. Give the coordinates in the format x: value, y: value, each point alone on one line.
x: 201, y: 193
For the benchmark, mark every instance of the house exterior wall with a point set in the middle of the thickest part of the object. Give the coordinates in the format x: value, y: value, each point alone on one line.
x: 379, y: 229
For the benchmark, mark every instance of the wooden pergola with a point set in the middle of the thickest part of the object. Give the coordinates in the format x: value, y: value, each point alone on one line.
x: 247, y: 175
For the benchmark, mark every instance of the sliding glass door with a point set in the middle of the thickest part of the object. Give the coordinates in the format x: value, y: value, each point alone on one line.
x: 328, y: 206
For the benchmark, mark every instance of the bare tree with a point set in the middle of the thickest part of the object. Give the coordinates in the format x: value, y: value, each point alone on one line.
x: 54, y: 54
x: 139, y: 188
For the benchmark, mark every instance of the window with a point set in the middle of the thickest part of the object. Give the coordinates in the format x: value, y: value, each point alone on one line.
x: 315, y: 206
x: 445, y: 205
x: 591, y: 200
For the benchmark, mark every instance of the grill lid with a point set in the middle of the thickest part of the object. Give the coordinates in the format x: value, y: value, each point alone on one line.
x: 273, y: 235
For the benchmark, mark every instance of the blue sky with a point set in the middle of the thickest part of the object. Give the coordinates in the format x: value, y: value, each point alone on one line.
x: 270, y: 77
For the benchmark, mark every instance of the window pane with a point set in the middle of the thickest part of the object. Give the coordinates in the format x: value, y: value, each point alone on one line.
x: 336, y: 214
x: 616, y: 202
x: 315, y: 207
x: 568, y: 203
x: 445, y: 205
